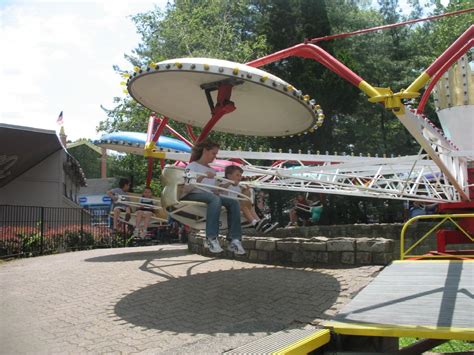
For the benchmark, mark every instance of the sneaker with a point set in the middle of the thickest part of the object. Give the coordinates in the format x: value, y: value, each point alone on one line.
x: 267, y: 228
x: 291, y: 224
x: 136, y: 233
x: 236, y: 247
x: 214, y: 246
x: 261, y: 223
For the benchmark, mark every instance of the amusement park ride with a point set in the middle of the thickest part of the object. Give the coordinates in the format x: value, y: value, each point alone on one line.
x: 441, y: 172
x: 243, y: 99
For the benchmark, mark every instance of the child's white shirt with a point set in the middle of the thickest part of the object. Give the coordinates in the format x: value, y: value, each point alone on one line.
x: 234, y: 191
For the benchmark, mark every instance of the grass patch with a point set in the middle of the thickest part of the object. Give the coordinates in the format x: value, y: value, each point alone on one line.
x: 449, y: 347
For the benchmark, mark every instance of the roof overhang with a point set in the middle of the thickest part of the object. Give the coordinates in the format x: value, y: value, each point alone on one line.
x: 21, y: 148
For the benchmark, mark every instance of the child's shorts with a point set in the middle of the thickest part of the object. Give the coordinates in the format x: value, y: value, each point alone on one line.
x: 146, y: 209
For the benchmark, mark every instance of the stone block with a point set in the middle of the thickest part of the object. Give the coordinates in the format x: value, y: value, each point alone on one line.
x: 396, y: 249
x: 334, y: 258
x: 319, y: 239
x: 342, y: 244
x: 310, y: 257
x: 197, y: 240
x: 376, y: 231
x: 390, y: 230
x: 315, y: 246
x: 278, y: 257
x: 364, y: 244
x: 248, y: 243
x: 266, y: 245
x: 382, y: 246
x: 363, y: 258
x: 322, y: 257
x: 347, y: 257
x: 253, y: 255
x: 338, y: 231
x: 192, y: 238
x: 262, y: 256
x: 288, y: 246
x: 304, y: 232
x: 249, y: 232
x: 382, y: 258
x: 228, y: 254
x: 316, y: 231
x: 351, y: 232
x: 362, y: 230
x: 297, y: 257
x: 292, y: 232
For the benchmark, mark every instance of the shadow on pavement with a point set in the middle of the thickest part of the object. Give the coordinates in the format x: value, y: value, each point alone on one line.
x: 141, y: 255
x: 231, y: 301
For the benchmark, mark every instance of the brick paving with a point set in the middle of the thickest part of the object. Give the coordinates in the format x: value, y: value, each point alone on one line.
x: 160, y: 299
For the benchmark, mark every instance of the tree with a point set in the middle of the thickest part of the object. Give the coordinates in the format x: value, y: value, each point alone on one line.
x: 88, y: 158
x: 217, y: 29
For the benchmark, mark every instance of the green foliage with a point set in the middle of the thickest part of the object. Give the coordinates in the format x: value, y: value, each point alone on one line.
x: 30, y: 243
x: 217, y: 29
x: 447, y: 29
x: 449, y: 347
x: 75, y: 240
x: 89, y: 160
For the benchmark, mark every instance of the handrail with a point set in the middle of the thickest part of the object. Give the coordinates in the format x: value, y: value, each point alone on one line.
x: 443, y: 217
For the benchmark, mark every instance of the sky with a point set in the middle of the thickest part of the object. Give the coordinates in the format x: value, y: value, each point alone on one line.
x: 58, y: 56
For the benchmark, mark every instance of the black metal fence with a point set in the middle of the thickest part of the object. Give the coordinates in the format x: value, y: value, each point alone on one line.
x: 29, y: 231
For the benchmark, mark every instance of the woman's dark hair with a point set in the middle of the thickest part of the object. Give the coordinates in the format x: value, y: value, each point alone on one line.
x: 123, y: 182
x: 197, y: 150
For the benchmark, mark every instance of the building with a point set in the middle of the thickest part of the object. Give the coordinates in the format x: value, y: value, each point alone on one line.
x: 36, y: 169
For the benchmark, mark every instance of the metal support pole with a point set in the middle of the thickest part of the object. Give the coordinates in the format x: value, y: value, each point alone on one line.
x: 41, y: 230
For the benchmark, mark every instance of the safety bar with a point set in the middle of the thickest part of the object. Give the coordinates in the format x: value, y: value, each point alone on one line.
x: 444, y: 217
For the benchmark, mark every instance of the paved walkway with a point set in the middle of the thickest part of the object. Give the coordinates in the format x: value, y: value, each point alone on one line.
x: 159, y: 299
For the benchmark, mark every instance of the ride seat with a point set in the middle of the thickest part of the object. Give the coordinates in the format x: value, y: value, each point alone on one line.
x: 173, y: 181
x: 191, y: 213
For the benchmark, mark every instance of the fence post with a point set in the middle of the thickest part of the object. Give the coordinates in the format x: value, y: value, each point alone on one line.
x: 41, y: 230
x: 82, y: 228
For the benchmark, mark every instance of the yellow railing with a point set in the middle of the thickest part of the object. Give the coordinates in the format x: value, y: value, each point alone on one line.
x: 444, y: 217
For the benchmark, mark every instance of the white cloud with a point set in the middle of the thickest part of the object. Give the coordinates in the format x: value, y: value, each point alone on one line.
x: 58, y: 56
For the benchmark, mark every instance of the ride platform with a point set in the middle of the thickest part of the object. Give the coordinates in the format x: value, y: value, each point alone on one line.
x: 432, y: 299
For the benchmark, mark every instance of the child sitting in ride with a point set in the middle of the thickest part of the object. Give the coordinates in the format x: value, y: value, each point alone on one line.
x: 234, y: 173
x: 204, y: 153
x: 117, y: 195
x: 305, y: 210
x: 144, y: 213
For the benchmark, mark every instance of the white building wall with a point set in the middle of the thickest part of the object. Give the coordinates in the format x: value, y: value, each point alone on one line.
x: 42, y: 185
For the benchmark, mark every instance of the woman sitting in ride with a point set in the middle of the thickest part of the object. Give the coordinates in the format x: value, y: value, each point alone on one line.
x: 204, y: 153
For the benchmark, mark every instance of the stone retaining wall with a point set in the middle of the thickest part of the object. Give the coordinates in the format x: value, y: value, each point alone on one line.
x: 374, y: 244
x: 307, y: 251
